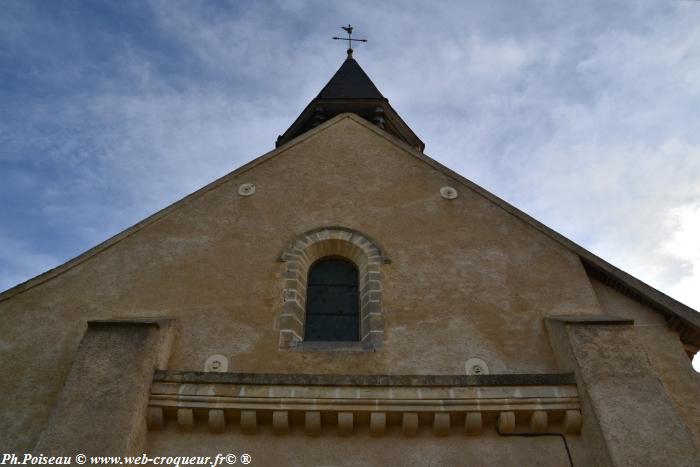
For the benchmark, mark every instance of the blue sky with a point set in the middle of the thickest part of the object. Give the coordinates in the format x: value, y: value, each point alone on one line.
x: 583, y: 114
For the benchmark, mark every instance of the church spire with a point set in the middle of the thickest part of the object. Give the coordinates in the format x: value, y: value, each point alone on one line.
x: 351, y: 90
x: 350, y: 82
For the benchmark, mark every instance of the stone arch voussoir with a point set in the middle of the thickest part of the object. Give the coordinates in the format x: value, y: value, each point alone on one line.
x: 311, y: 246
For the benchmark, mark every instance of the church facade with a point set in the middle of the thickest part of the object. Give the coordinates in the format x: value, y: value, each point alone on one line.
x: 346, y: 300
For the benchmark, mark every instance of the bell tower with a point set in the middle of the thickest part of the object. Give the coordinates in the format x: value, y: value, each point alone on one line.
x: 351, y: 90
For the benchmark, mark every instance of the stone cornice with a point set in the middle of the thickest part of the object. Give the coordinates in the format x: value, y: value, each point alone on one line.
x: 198, y: 377
x: 357, y: 403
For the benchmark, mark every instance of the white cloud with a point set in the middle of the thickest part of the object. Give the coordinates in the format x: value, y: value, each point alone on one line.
x: 684, y: 246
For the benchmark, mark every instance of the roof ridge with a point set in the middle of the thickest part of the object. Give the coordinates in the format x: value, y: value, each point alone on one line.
x: 677, y: 308
x: 160, y: 214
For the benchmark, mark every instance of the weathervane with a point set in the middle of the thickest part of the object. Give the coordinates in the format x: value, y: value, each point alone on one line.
x: 348, y: 29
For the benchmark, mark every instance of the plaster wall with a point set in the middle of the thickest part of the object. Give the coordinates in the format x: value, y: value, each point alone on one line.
x: 363, y: 450
x: 623, y: 401
x: 466, y: 278
x: 663, y: 350
x: 101, y: 408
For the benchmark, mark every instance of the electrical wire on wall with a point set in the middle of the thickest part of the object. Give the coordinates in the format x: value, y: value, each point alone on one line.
x: 530, y: 435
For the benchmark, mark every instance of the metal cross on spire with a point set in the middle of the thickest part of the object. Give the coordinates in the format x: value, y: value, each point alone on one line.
x: 348, y: 29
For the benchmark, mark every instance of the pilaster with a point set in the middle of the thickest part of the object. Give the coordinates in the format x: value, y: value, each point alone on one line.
x: 628, y: 418
x: 103, y: 406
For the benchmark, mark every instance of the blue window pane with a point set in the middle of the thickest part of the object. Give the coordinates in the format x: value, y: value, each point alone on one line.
x: 332, y: 301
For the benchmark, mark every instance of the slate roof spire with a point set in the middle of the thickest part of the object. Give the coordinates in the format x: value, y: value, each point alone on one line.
x: 351, y: 90
x: 350, y: 82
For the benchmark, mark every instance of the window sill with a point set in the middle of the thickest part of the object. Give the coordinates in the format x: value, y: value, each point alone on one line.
x: 320, y: 346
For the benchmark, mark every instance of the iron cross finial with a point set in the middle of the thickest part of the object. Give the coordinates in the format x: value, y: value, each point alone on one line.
x: 348, y: 29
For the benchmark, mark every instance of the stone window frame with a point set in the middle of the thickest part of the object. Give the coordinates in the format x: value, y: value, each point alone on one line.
x: 300, y: 255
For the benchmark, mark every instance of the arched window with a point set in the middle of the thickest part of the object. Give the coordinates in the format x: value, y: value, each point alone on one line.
x: 362, y: 259
x: 332, y: 301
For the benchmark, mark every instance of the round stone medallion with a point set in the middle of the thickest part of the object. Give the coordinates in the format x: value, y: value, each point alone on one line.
x: 246, y: 189
x: 448, y: 192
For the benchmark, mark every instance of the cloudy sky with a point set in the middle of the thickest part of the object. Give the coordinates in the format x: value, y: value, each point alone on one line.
x: 582, y: 114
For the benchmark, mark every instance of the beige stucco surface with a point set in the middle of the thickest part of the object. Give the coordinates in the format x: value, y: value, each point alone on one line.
x: 329, y: 449
x: 629, y: 418
x: 100, y: 410
x: 466, y: 279
x: 664, y: 352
